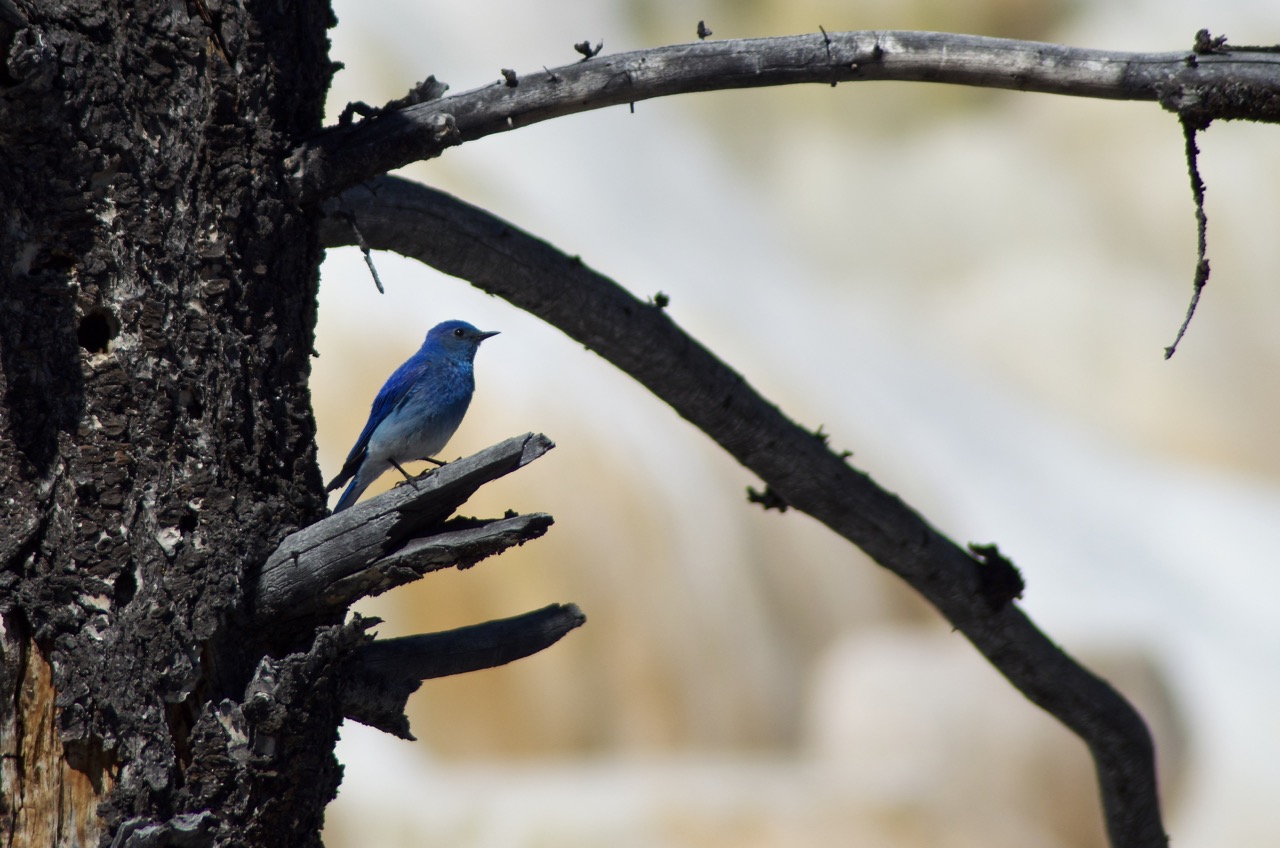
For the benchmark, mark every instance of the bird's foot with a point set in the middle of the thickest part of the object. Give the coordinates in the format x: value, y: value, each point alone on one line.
x: 413, y: 479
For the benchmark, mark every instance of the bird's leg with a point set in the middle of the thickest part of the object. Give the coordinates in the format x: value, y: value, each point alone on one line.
x: 400, y: 468
x: 411, y: 479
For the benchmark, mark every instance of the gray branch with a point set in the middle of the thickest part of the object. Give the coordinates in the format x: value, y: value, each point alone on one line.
x: 1221, y: 83
x: 395, y: 538
x: 386, y: 672
x: 799, y: 468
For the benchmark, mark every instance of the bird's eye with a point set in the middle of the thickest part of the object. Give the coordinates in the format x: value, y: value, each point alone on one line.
x: 457, y: 334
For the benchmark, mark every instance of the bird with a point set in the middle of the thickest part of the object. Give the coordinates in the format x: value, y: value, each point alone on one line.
x: 416, y: 411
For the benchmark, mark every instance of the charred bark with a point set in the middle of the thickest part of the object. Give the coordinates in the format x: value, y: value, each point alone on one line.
x: 156, y: 434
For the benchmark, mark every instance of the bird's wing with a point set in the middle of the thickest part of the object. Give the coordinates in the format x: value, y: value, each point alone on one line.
x: 393, y: 393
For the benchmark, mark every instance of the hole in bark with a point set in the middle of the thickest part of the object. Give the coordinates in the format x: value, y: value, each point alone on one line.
x: 126, y: 587
x: 97, y: 329
x: 189, y: 521
x: 190, y: 399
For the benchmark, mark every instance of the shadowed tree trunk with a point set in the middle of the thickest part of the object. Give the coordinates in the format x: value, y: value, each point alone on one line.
x: 157, y: 435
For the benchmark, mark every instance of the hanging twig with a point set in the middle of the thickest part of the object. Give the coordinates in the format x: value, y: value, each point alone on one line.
x: 1189, y: 130
x: 350, y: 218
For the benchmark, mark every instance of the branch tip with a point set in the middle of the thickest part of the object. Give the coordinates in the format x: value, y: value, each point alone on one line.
x: 768, y: 499
x: 349, y: 216
x: 587, y: 51
x: 999, y: 580
x: 1207, y: 44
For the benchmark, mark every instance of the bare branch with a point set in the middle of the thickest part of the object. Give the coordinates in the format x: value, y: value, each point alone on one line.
x: 395, y: 538
x: 1226, y: 84
x: 386, y: 672
x: 642, y: 340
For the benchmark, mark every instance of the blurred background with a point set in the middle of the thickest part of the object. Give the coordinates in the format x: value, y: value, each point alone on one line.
x: 972, y: 291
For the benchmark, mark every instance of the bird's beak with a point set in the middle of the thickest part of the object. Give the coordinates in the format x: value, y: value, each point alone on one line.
x: 482, y: 336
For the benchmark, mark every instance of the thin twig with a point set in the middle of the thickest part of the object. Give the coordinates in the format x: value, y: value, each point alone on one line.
x: 1189, y: 130
x: 350, y: 218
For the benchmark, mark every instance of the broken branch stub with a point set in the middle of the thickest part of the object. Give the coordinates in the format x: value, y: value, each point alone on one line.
x: 387, y: 671
x: 395, y: 538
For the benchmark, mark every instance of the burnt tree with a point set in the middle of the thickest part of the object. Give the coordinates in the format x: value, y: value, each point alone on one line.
x: 158, y: 440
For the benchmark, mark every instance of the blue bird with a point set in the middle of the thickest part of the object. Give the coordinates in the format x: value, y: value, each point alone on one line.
x: 416, y: 411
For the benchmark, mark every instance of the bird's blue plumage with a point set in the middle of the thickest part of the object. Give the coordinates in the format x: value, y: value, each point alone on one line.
x: 417, y: 410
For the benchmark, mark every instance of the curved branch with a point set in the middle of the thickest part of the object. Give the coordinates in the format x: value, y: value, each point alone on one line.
x: 798, y: 467
x: 1198, y: 86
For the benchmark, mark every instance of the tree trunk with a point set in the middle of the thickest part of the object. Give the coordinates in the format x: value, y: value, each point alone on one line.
x: 156, y: 434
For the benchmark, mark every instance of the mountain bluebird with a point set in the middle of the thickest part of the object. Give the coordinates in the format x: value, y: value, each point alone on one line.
x: 417, y: 410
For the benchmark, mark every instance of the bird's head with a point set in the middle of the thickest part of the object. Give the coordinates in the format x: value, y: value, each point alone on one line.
x: 457, y: 337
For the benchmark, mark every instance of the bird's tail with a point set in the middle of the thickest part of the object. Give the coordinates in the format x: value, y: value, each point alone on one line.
x: 352, y: 493
x: 349, y: 468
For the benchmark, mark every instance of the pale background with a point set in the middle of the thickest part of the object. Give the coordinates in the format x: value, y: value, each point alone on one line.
x: 971, y: 290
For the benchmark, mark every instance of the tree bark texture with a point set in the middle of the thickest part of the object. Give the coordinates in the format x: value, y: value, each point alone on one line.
x: 156, y: 436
